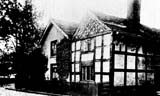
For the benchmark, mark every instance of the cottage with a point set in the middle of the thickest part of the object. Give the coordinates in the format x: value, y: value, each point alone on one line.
x: 55, y: 44
x: 116, y: 53
x: 107, y: 53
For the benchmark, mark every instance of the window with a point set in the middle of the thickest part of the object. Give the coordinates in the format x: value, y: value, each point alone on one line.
x: 131, y: 78
x: 75, y: 72
x: 119, y: 61
x: 119, y: 78
x: 97, y: 66
x: 106, y: 52
x: 87, y: 45
x: 78, y: 45
x: 141, y: 78
x: 141, y: 63
x: 107, y: 39
x: 73, y: 46
x: 97, y: 78
x: 53, y: 48
x: 77, y: 55
x: 106, y: 66
x: 99, y: 41
x: 131, y: 62
x: 105, y: 78
x: 87, y: 57
x: 98, y: 53
x: 132, y: 66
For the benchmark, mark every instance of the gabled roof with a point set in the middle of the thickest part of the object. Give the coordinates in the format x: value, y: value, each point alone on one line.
x: 67, y: 29
x: 90, y: 26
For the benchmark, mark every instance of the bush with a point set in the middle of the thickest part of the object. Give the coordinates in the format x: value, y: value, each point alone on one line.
x: 31, y: 69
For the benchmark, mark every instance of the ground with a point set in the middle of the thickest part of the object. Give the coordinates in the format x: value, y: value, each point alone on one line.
x: 6, y: 92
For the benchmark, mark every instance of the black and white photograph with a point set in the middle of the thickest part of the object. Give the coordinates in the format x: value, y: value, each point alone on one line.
x: 79, y: 48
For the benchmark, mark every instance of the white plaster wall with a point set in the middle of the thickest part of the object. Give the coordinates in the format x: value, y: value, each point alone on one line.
x: 54, y: 34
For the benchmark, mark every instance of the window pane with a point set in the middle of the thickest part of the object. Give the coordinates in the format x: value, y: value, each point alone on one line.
x: 119, y: 61
x: 106, y: 53
x: 77, y: 55
x: 105, y: 78
x: 117, y: 47
x: 130, y: 78
x: 150, y: 78
x: 77, y: 67
x: 88, y: 45
x: 106, y: 66
x: 77, y: 78
x: 148, y: 63
x: 97, y: 66
x: 87, y: 57
x: 92, y: 44
x: 68, y: 78
x: 53, y: 48
x: 84, y: 45
x: 98, y: 53
x: 72, y: 67
x: 141, y: 63
x: 97, y: 78
x: 118, y: 78
x: 141, y: 78
x: 140, y: 50
x: 73, y: 46
x: 73, y: 54
x: 78, y: 44
x: 131, y: 50
x: 107, y: 39
x: 122, y: 47
x: 131, y: 62
x: 99, y: 41
x: 72, y: 78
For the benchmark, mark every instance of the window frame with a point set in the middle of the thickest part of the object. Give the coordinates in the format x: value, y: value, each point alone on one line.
x: 126, y: 70
x: 53, y: 52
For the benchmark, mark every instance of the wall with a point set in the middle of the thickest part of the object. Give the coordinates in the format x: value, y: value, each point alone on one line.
x: 54, y: 34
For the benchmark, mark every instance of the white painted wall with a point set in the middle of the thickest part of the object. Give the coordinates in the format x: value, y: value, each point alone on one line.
x: 54, y: 34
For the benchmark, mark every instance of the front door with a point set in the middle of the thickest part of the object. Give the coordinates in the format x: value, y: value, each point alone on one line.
x: 54, y: 74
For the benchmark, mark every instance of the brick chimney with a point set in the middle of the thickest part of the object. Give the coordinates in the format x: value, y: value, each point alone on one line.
x: 133, y: 16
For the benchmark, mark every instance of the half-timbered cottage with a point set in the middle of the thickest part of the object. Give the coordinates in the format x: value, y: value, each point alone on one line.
x: 115, y: 53
x: 107, y: 53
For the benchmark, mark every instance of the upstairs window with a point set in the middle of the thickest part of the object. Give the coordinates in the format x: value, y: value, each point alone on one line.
x: 53, y: 48
x: 87, y: 45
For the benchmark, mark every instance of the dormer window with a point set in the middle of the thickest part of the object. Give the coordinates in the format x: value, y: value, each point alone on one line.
x: 53, y: 48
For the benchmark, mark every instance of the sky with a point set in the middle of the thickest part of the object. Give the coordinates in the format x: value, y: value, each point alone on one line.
x: 74, y: 10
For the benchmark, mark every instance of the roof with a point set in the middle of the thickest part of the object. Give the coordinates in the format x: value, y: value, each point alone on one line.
x: 90, y: 26
x: 67, y: 28
x: 133, y: 33
x: 108, y: 18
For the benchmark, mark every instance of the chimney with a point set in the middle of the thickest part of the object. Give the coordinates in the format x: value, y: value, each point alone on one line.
x: 133, y: 12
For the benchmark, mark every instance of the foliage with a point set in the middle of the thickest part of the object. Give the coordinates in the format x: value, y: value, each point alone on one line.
x: 63, y: 58
x: 20, y: 22
x: 31, y: 69
x: 39, y: 62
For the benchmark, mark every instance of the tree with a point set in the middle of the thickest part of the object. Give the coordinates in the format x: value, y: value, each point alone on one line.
x: 19, y: 21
